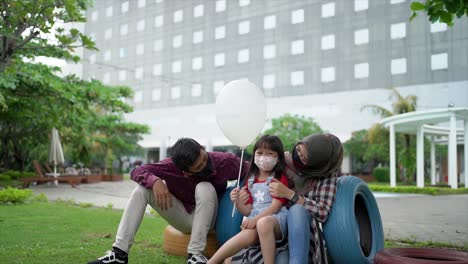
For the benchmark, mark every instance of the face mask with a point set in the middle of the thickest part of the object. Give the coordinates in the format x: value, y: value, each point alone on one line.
x: 265, y: 163
x: 206, y: 171
x: 297, y: 160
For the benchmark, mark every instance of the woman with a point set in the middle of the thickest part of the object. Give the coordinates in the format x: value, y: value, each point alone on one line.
x: 312, y: 169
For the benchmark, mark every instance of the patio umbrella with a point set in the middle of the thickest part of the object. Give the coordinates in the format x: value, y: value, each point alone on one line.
x: 55, y: 150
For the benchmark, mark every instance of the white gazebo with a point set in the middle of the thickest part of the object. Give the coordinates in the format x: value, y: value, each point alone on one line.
x: 427, y: 123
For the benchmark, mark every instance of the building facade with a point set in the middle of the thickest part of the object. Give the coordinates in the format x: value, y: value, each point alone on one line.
x: 323, y: 59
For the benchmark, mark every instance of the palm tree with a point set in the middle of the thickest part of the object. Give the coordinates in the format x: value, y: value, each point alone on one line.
x: 400, y: 105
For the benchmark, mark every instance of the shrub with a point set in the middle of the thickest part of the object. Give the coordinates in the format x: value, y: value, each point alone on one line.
x: 13, y: 195
x: 4, y: 177
x: 381, y: 174
x: 15, y: 175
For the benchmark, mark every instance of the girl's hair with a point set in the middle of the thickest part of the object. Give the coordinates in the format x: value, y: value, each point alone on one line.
x: 269, y: 142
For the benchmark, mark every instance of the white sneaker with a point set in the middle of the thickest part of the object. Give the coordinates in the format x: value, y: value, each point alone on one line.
x: 196, y: 259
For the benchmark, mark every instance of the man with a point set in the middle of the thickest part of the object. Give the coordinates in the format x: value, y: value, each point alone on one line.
x: 184, y: 190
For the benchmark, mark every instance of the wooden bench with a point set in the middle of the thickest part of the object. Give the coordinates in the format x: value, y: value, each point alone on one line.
x: 41, y: 177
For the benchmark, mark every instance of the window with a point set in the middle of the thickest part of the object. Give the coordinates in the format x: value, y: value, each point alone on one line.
x: 141, y: 25
x: 328, y: 42
x: 92, y: 58
x: 157, y: 69
x: 360, y: 5
x: 124, y: 7
x: 175, y: 92
x: 122, y: 75
x: 139, y: 73
x: 198, y: 11
x: 158, y: 45
x: 396, y: 1
x: 106, y: 78
x: 438, y: 27
x: 439, y: 61
x: 141, y: 3
x: 297, y: 78
x: 328, y: 10
x: 197, y: 37
x: 140, y: 49
x: 94, y: 15
x: 244, y: 27
x: 398, y: 31
x: 197, y: 63
x: 220, y: 6
x: 244, y: 2
x: 156, y: 94
x: 217, y: 86
x: 328, y: 74
x: 297, y: 47
x: 177, y: 41
x: 107, y: 55
x: 196, y: 90
x: 243, y: 56
x: 269, y: 81
x: 361, y: 70
x: 220, y: 32
x: 297, y: 16
x: 138, y: 97
x: 398, y: 66
x: 269, y: 51
x: 176, y: 66
x: 124, y: 29
x: 109, y: 11
x: 178, y: 16
x: 159, y: 21
x: 108, y: 33
x: 361, y: 36
x: 123, y: 52
x: 219, y: 59
x: 269, y: 22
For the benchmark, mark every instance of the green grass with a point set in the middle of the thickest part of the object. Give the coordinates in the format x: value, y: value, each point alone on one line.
x: 62, y: 232
x: 403, y: 243
x: 379, y: 187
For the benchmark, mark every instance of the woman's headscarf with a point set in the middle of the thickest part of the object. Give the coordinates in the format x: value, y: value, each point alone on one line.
x: 324, y: 158
x: 325, y: 155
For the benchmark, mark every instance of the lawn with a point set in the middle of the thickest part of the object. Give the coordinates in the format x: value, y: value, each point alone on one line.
x: 66, y: 232
x: 41, y: 232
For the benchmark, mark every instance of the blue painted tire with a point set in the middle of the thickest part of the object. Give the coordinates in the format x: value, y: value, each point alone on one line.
x: 353, y: 231
x: 227, y: 226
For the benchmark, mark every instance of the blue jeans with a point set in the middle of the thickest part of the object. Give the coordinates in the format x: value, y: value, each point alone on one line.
x: 298, y: 234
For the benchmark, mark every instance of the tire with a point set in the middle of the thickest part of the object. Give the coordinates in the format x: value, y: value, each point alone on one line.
x: 353, y: 231
x: 226, y: 225
x: 421, y: 256
x: 175, y: 242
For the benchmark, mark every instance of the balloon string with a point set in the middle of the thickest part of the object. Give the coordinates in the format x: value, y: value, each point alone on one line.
x: 238, y: 179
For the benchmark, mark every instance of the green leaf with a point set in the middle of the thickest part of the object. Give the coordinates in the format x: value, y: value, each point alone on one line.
x: 416, y: 6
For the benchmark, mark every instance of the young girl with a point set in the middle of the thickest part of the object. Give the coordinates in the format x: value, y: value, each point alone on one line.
x: 266, y: 215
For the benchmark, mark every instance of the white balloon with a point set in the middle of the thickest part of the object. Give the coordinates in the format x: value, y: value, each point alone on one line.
x: 241, y: 112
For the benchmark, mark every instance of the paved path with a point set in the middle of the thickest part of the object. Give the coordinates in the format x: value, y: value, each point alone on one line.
x: 422, y: 217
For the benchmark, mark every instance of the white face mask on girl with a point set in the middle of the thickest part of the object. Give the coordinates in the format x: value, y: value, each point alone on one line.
x: 265, y: 163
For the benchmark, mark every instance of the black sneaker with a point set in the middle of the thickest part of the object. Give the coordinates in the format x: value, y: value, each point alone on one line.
x: 196, y: 259
x: 113, y: 257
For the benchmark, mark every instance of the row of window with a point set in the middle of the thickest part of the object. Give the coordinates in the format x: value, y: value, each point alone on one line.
x: 327, y: 75
x: 361, y: 36
x: 327, y: 9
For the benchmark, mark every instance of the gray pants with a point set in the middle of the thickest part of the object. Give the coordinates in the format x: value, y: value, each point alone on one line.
x: 198, y: 223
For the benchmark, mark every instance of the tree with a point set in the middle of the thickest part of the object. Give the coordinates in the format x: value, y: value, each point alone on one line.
x: 291, y: 128
x: 83, y: 111
x: 377, y: 135
x: 441, y: 10
x: 26, y: 25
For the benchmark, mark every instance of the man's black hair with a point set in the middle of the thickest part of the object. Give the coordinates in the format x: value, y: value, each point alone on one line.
x: 185, y: 153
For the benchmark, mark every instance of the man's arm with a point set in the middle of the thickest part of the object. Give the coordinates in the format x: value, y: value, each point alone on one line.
x: 144, y: 176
